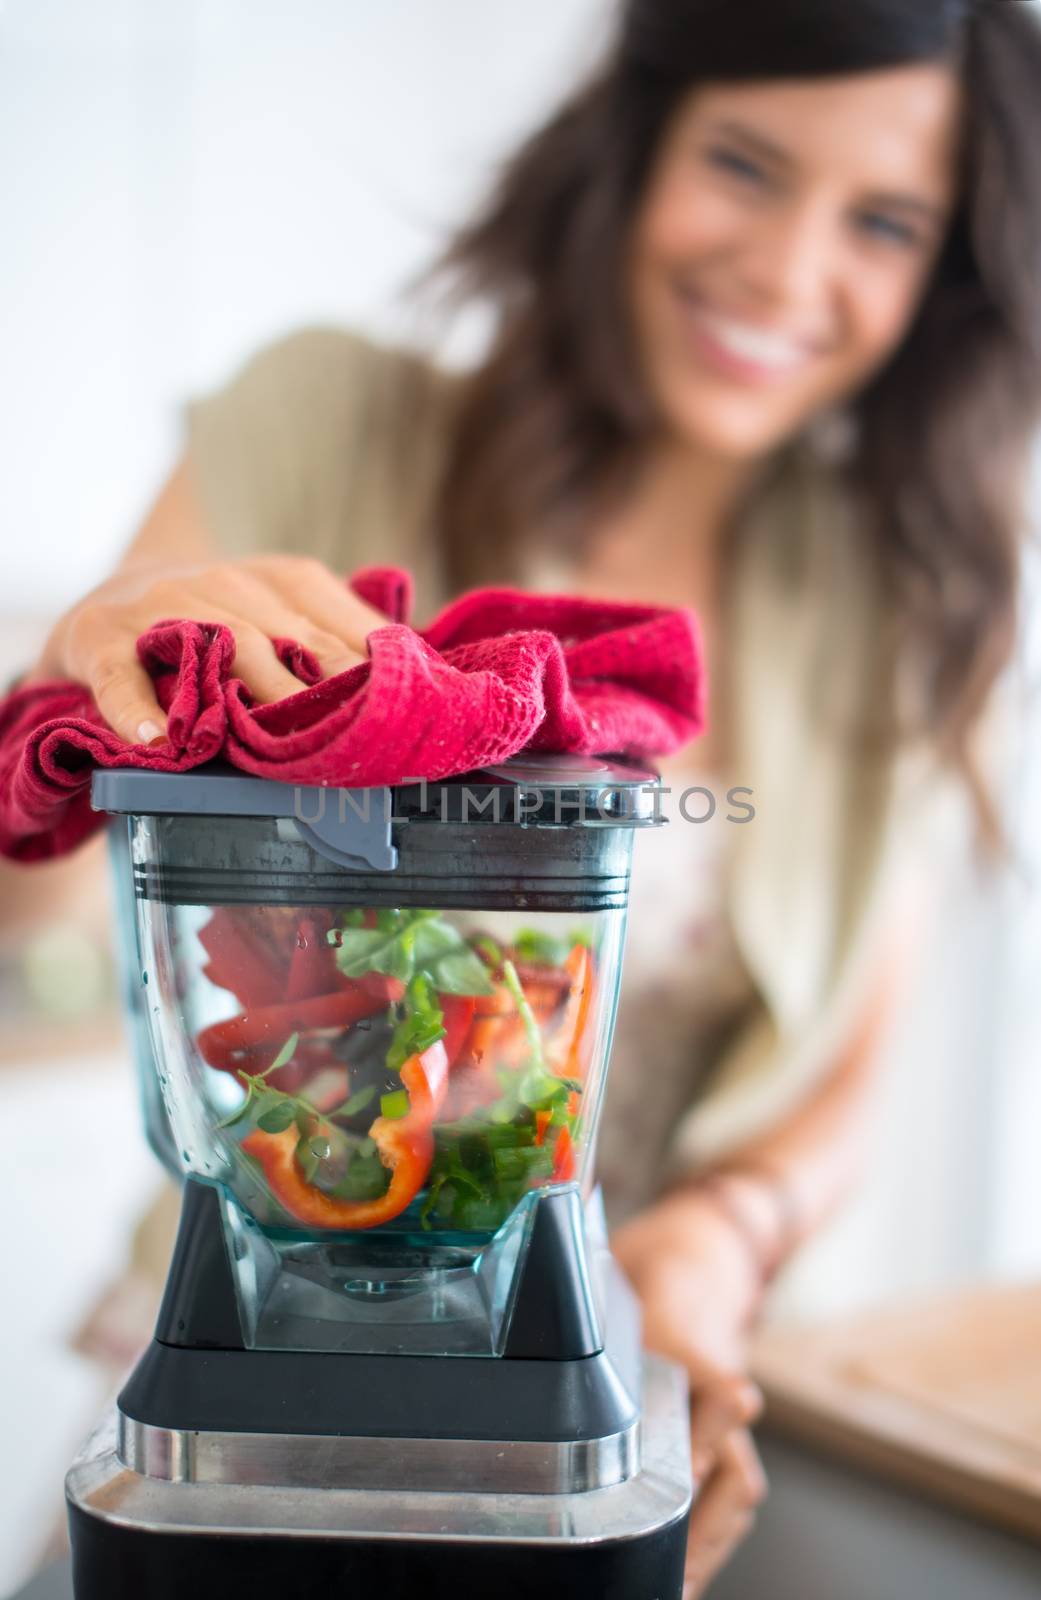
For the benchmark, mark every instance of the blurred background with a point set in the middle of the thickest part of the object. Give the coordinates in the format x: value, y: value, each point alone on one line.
x: 181, y: 183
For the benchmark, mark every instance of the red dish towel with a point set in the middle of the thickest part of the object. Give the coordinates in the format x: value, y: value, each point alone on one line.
x: 497, y: 672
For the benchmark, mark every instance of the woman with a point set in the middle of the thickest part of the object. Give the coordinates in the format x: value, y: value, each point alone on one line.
x: 766, y: 343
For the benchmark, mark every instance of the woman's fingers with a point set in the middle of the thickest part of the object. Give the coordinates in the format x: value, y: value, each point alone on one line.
x: 124, y: 694
x: 273, y: 596
x: 95, y: 650
x: 724, y: 1510
x: 721, y: 1400
x: 258, y: 600
x: 329, y: 608
x: 718, y: 1407
x: 256, y: 663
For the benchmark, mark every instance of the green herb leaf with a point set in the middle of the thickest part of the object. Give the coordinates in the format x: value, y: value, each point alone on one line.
x: 243, y: 1109
x: 307, y: 1160
x: 406, y: 943
x: 365, y: 950
x: 285, y: 1055
x: 278, y: 1118
x: 545, y: 949
x: 365, y: 1179
x: 462, y: 972
x: 420, y: 1027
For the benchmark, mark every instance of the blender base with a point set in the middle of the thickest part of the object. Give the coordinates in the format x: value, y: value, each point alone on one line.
x: 147, y: 1538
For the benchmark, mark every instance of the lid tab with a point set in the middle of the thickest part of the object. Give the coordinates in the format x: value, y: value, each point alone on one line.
x: 349, y: 826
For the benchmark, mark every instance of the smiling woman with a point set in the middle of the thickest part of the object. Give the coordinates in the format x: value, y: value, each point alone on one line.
x: 766, y: 340
x: 736, y: 231
x: 782, y: 247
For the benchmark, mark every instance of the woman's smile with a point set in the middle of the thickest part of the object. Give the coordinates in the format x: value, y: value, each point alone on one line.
x: 738, y: 348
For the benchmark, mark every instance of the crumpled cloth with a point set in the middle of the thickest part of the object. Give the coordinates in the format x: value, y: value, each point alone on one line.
x: 497, y: 672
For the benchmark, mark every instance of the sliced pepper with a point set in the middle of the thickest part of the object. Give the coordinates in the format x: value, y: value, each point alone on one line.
x: 563, y: 1157
x: 565, y: 1053
x: 457, y: 1012
x: 405, y: 1145
x: 241, y: 960
x: 312, y: 965
x: 223, y: 1044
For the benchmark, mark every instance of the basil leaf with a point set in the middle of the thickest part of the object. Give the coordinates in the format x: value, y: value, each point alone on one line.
x: 237, y: 1115
x: 535, y: 945
x: 365, y: 950
x: 307, y: 1159
x: 461, y: 972
x: 278, y: 1119
x: 365, y: 1179
x: 433, y: 939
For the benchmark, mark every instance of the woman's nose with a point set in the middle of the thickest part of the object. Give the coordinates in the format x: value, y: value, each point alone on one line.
x: 790, y: 264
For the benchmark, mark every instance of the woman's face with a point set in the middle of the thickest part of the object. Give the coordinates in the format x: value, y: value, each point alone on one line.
x: 783, y: 246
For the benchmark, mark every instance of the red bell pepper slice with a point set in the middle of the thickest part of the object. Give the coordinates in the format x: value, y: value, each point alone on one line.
x: 405, y: 1145
x: 223, y: 1043
x: 240, y: 960
x: 312, y: 965
x: 457, y: 1012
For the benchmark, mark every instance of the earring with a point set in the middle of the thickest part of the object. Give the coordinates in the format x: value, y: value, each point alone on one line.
x: 833, y: 436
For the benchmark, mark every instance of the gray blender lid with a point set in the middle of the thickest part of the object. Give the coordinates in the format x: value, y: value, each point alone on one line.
x: 589, y: 788
x: 362, y: 828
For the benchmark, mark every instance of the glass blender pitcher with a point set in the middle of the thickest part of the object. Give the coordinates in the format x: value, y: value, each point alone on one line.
x: 379, y: 1021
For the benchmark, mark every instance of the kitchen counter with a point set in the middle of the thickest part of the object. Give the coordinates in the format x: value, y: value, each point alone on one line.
x: 829, y: 1531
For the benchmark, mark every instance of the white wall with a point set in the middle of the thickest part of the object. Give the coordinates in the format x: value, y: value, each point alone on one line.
x: 183, y: 178
x: 179, y: 181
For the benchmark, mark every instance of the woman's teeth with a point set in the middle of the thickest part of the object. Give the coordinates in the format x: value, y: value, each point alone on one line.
x: 772, y: 351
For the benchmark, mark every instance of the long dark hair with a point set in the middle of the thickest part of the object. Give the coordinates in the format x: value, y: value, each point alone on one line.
x: 552, y: 416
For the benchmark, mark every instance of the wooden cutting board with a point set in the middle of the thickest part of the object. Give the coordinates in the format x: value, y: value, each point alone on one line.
x: 945, y: 1397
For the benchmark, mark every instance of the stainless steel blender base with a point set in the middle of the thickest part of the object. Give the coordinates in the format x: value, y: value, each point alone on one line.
x: 102, y: 1484
x: 307, y: 1461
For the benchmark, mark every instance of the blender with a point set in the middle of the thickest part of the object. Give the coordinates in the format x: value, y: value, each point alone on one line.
x: 373, y: 1028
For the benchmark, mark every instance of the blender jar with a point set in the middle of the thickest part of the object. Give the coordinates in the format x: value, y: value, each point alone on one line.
x: 380, y: 1023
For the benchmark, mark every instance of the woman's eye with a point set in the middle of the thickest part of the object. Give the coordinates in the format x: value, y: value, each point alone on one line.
x: 888, y: 229
x: 736, y: 164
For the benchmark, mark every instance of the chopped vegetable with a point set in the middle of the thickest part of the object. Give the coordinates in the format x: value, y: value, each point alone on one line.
x: 223, y: 1044
x: 405, y: 1145
x: 387, y: 1059
x: 565, y: 1054
x: 394, y: 1105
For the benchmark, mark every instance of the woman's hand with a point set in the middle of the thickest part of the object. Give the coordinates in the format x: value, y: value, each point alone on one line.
x: 259, y: 599
x: 699, y: 1284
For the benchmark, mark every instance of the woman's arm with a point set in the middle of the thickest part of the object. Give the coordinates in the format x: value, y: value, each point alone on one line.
x: 701, y: 1258
x: 780, y: 1189
x: 173, y: 569
x: 34, y: 896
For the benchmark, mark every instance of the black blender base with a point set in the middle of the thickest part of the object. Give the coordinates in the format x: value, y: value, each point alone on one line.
x: 188, y: 1530
x: 130, y: 1564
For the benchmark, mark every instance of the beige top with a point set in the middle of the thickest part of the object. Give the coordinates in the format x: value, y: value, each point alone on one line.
x: 684, y: 985
x: 331, y: 445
